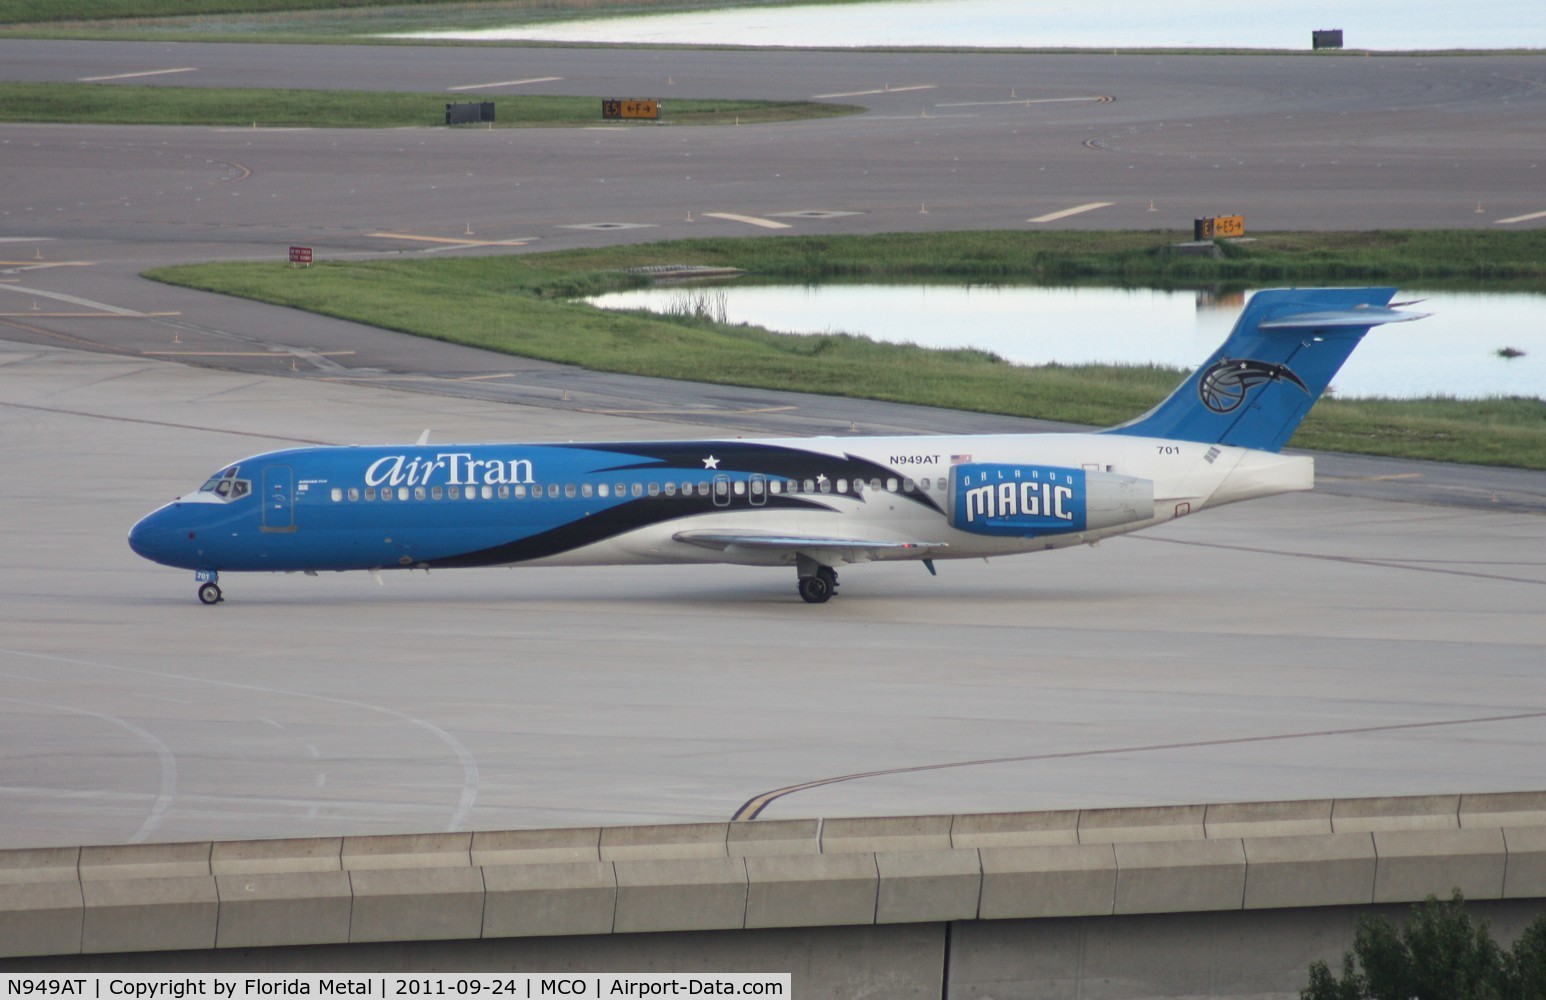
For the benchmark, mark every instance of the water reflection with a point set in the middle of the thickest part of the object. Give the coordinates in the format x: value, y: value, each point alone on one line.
x: 1454, y: 352
x: 1371, y: 24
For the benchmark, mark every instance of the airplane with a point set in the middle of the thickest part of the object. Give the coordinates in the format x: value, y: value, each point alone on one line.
x: 810, y: 503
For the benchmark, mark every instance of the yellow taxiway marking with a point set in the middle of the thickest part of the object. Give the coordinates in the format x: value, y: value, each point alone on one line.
x: 507, y: 83
x: 128, y: 76
x: 750, y: 220
x: 252, y: 354
x: 695, y: 412
x: 1100, y: 98
x: 877, y: 90
x: 450, y: 241
x: 1076, y: 210
x: 1521, y: 218
x: 86, y: 315
x: 1373, y: 479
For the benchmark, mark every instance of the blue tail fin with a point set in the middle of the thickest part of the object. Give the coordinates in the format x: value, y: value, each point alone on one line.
x: 1281, y: 355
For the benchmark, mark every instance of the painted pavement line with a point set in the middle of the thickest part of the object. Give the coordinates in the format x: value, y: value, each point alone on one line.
x: 750, y: 220
x: 129, y: 76
x: 1076, y: 210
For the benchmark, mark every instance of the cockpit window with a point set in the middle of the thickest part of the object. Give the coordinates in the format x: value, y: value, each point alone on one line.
x: 225, y: 485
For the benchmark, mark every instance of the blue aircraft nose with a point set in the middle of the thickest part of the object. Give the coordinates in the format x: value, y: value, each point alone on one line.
x: 160, y: 538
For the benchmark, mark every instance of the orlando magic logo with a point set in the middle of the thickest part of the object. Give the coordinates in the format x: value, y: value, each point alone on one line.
x: 1224, y: 385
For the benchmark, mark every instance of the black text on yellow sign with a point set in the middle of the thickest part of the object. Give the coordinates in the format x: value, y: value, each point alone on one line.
x: 613, y: 107
x: 1219, y: 227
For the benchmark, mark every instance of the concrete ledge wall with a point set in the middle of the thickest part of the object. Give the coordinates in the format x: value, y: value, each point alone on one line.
x: 793, y: 873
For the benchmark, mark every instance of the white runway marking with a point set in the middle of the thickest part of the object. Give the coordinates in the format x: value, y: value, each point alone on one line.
x: 168, y: 761
x: 1521, y: 218
x: 129, y: 76
x: 74, y: 301
x: 877, y: 90
x: 470, y: 774
x: 750, y: 220
x: 1076, y: 210
x: 506, y: 83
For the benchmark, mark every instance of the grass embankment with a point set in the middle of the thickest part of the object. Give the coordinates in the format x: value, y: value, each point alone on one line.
x: 117, y: 104
x: 520, y: 305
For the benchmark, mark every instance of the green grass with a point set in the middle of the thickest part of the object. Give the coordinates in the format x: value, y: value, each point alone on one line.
x: 115, y: 104
x: 521, y: 305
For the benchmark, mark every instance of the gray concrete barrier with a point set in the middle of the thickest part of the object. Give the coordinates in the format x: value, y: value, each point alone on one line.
x: 1261, y: 856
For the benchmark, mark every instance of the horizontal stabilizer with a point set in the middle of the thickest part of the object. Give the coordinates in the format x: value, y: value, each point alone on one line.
x: 1362, y: 316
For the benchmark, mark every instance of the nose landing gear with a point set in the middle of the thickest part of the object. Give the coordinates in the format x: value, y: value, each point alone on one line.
x: 209, y: 589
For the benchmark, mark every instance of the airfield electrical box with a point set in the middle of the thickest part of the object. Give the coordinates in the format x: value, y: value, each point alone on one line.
x: 1331, y: 39
x: 469, y: 113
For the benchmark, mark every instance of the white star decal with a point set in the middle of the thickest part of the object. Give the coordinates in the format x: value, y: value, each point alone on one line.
x: 711, y: 462
x: 821, y: 478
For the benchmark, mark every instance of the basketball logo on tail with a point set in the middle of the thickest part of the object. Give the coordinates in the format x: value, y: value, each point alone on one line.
x: 1224, y: 385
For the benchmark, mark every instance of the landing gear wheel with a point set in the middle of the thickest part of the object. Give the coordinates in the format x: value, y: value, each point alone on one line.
x: 815, y: 589
x: 209, y: 593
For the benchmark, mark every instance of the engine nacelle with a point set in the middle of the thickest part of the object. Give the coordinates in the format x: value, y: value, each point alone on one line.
x: 1029, y: 500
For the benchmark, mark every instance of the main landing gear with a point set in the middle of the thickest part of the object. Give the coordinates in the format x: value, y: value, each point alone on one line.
x: 819, y: 586
x: 209, y: 590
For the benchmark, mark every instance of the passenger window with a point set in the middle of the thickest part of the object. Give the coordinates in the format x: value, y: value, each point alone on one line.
x: 338, y: 494
x: 810, y: 486
x: 825, y: 484
x: 552, y: 491
x: 586, y: 489
x: 842, y: 486
x: 437, y: 493
x: 520, y: 492
x: 890, y: 485
x: 774, y: 486
x: 907, y: 486
x: 654, y: 489
x: 454, y: 492
x: 370, y: 493
x: 488, y: 492
x: 739, y: 488
x: 402, y: 493
x: 569, y: 490
x: 670, y: 489
x: 504, y: 493
x: 418, y: 493
x: 703, y: 489
x: 354, y: 493
x: 386, y: 492
x: 638, y: 490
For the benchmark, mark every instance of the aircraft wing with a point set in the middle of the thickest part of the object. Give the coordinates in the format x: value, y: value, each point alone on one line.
x: 851, y: 549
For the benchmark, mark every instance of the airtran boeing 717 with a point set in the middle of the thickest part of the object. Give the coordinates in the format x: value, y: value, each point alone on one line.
x: 812, y: 504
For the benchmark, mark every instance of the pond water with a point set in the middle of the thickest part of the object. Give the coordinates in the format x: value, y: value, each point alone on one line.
x: 1454, y: 352
x: 1281, y: 24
